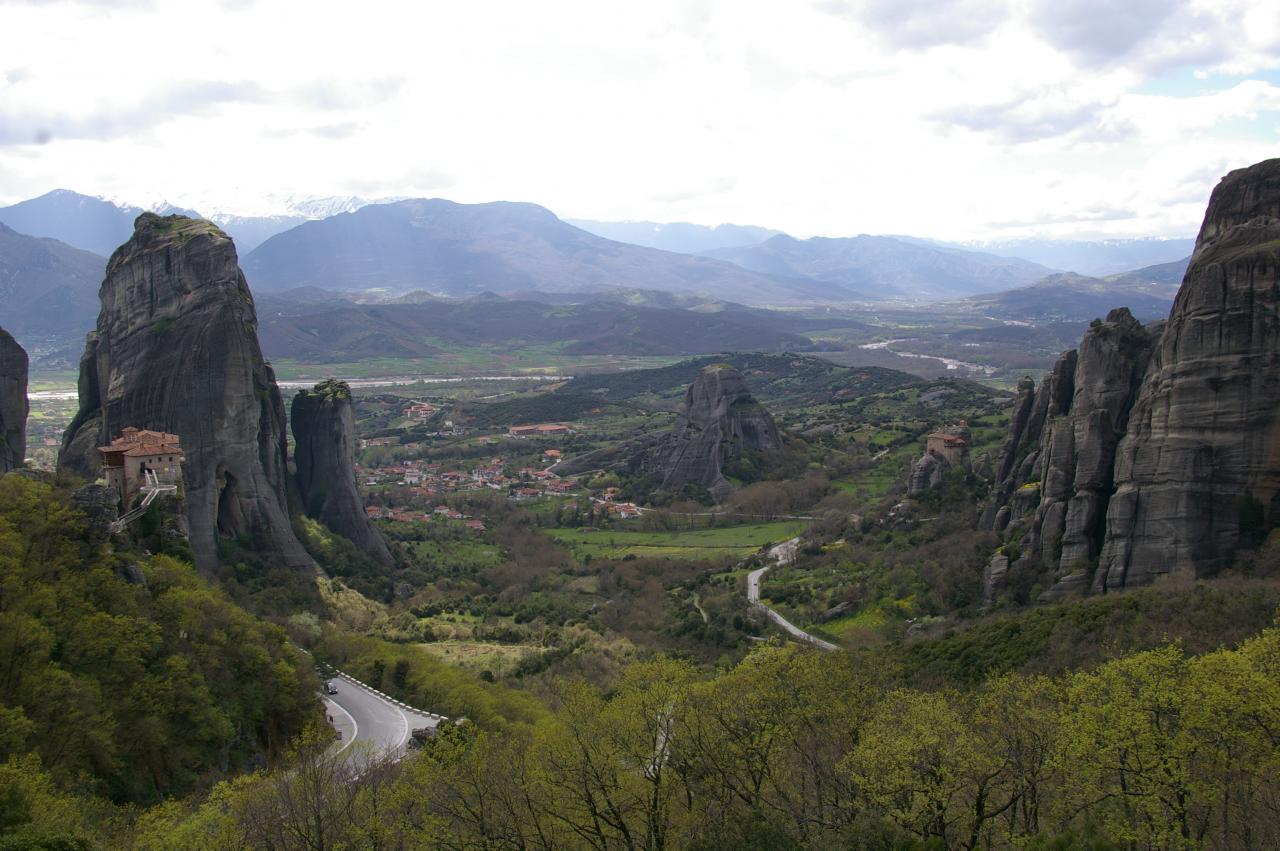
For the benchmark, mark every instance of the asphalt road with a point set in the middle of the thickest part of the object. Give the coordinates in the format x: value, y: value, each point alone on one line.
x: 373, y: 723
x: 781, y: 554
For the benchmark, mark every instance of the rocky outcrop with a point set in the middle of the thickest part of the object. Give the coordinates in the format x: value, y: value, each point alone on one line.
x: 1058, y: 481
x: 13, y: 403
x: 993, y: 578
x: 98, y: 502
x: 1138, y: 452
x: 719, y: 422
x: 946, y: 448
x: 1204, y: 434
x: 323, y: 424
x: 176, y: 350
x: 926, y: 472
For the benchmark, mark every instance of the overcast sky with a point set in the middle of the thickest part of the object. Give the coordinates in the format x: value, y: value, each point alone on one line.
x: 956, y: 119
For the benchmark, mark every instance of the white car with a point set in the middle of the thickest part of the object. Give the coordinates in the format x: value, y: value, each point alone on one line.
x: 330, y: 687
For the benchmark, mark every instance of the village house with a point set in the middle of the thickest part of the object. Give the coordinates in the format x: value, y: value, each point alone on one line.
x: 137, y: 453
x: 420, y: 411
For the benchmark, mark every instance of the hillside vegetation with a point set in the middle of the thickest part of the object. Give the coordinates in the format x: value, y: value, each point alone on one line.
x: 796, y: 749
x: 127, y: 677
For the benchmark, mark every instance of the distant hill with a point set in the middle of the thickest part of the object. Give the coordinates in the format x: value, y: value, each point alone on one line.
x: 335, y: 330
x: 780, y: 379
x: 885, y: 266
x: 90, y: 224
x: 463, y: 249
x: 680, y: 237
x: 47, y: 288
x: 98, y: 225
x: 1067, y: 296
x: 1099, y: 257
x: 1161, y: 273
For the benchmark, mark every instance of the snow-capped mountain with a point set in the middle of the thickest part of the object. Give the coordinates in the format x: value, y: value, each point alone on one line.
x: 99, y: 224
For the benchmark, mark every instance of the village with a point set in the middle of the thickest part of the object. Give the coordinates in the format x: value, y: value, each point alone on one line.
x: 413, y: 489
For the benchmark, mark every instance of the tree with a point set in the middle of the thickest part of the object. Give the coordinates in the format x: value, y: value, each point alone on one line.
x: 1129, y: 755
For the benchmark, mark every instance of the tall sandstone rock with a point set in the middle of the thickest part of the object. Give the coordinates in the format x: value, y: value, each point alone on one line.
x: 1205, y: 431
x: 323, y: 423
x: 719, y: 422
x: 1136, y: 451
x: 176, y: 350
x: 13, y: 403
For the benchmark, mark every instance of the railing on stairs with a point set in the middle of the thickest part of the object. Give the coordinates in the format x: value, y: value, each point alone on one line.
x: 150, y: 490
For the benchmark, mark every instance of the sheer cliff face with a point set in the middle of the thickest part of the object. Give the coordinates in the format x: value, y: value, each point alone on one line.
x: 1056, y: 473
x: 323, y: 424
x: 13, y: 403
x: 1205, y: 429
x: 1137, y: 450
x: 719, y: 421
x: 176, y: 350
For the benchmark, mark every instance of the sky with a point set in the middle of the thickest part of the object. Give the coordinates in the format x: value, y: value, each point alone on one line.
x: 953, y: 119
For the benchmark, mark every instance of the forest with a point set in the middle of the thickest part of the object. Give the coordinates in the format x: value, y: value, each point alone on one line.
x: 143, y: 709
x: 796, y: 749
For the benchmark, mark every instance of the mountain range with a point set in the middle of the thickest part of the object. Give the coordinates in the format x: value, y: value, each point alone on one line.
x: 1066, y: 296
x: 681, y: 237
x: 886, y: 266
x: 463, y: 249
x: 47, y: 288
x: 440, y: 248
x: 1089, y: 257
x: 99, y: 224
x: 80, y: 221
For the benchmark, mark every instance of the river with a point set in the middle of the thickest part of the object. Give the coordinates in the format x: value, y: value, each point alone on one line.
x: 951, y: 363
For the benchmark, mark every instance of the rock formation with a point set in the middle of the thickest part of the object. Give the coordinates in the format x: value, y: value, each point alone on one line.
x: 323, y: 424
x: 719, y: 422
x: 98, y: 502
x: 944, y: 449
x: 176, y: 350
x: 1204, y: 433
x: 926, y: 472
x: 1055, y: 476
x: 13, y: 403
x: 1138, y: 450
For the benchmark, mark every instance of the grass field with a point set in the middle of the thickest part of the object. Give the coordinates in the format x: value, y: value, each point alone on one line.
x: 464, y: 554
x: 734, y: 541
x: 480, y: 655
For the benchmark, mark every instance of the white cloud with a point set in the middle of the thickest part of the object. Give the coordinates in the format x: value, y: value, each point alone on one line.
x: 968, y: 118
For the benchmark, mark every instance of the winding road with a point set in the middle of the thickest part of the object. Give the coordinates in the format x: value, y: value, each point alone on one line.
x: 782, y: 553
x: 379, y: 724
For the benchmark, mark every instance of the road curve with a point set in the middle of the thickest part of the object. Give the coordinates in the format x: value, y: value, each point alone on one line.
x: 781, y: 553
x: 375, y: 723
